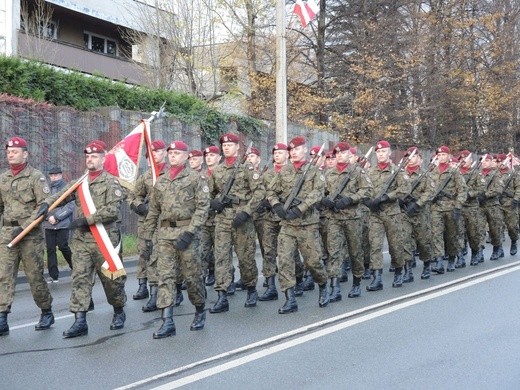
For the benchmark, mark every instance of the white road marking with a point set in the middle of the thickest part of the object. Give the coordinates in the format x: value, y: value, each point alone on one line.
x: 394, y: 304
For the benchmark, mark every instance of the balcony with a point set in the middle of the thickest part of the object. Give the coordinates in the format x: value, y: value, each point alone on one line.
x: 65, y: 55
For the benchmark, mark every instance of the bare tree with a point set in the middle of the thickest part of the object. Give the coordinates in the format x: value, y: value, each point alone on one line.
x: 36, y: 21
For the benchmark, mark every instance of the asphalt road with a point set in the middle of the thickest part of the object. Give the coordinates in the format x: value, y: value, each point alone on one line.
x: 458, y: 330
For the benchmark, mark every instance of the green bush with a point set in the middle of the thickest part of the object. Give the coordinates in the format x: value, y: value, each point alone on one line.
x: 37, y: 81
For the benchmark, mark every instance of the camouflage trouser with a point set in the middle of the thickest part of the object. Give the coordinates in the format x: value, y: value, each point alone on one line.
x: 207, y: 248
x: 30, y: 252
x: 243, y: 241
x: 307, y: 239
x: 269, y: 239
x: 420, y: 233
x: 495, y: 220
x: 172, y: 261
x: 344, y: 233
x: 380, y: 223
x: 510, y: 219
x: 472, y: 228
x: 365, y: 229
x: 323, y: 242
x: 445, y: 231
x: 86, y: 262
x: 147, y: 261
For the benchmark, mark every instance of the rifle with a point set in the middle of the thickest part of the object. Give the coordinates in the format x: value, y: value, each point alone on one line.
x: 506, y: 184
x: 292, y: 199
x: 224, y: 197
x: 409, y: 197
x: 440, y: 189
x: 475, y: 168
x: 343, y: 184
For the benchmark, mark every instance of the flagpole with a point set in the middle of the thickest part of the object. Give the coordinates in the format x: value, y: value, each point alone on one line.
x: 281, y: 74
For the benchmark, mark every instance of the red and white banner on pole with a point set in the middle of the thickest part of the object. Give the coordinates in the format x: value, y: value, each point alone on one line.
x: 306, y: 11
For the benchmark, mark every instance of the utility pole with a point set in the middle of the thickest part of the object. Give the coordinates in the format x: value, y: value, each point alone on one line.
x: 281, y: 74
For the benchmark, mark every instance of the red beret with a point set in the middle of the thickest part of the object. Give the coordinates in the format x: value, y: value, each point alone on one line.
x: 410, y: 150
x: 254, y: 151
x: 342, y: 146
x: 279, y: 146
x: 195, y: 153
x: 314, y: 150
x: 229, y: 137
x: 353, y: 150
x: 212, y: 149
x: 296, y: 141
x: 454, y: 159
x: 16, y: 142
x: 443, y: 149
x: 382, y: 144
x: 158, y: 144
x: 488, y: 156
x: 464, y: 154
x: 95, y: 146
x: 501, y: 157
x: 330, y: 154
x: 178, y: 145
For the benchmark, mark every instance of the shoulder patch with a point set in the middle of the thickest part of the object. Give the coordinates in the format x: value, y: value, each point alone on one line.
x: 118, y: 192
x: 256, y: 176
x: 46, y: 190
x: 483, y: 180
x: 205, y: 189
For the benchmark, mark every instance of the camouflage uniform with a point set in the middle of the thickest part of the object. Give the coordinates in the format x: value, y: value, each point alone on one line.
x: 490, y: 205
x: 246, y: 194
x: 509, y: 204
x: 87, y: 258
x: 20, y: 196
x: 177, y: 206
x: 207, y: 243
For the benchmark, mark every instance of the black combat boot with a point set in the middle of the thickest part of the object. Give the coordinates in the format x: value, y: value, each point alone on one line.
x: 222, y: 304
x: 118, y: 321
x: 231, y: 289
x: 142, y: 291
x: 367, y: 275
x: 324, y: 297
x: 46, y: 320
x: 335, y: 292
x: 345, y: 266
x: 426, y: 271
x: 377, y: 282
x: 178, y: 295
x: 308, y: 283
x: 461, y: 261
x: 290, y: 305
x: 252, y: 297
x: 398, y: 277
x: 167, y: 328
x: 4, y: 327
x: 210, y: 279
x: 91, y: 305
x: 298, y: 288
x: 408, y: 274
x: 355, y: 291
x: 514, y: 248
x: 498, y: 252
x: 151, y: 305
x: 271, y: 294
x: 200, y: 318
x: 79, y: 327
x: 481, y: 254
x: 439, y: 265
x: 475, y: 257
x: 451, y: 264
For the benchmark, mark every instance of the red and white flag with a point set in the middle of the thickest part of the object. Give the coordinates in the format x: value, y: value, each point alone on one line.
x: 306, y: 11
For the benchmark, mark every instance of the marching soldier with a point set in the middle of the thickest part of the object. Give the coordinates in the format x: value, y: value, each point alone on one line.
x: 98, y: 201
x: 342, y: 212
x: 207, y: 234
x: 195, y: 159
x: 300, y: 223
x: 510, y: 199
x: 139, y: 202
x: 386, y: 217
x: 22, y: 191
x: 235, y: 199
x: 178, y: 208
x: 448, y: 196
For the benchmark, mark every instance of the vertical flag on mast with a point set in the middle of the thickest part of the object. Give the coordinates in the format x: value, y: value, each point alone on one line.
x: 306, y: 11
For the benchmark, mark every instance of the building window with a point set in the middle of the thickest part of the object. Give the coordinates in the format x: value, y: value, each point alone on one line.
x: 100, y: 44
x: 49, y: 31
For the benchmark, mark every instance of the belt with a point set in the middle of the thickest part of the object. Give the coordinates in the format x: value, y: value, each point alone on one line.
x: 11, y: 223
x: 166, y: 223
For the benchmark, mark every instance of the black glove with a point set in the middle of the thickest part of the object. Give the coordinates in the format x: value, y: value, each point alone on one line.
x: 481, y: 198
x: 293, y: 213
x: 77, y: 223
x: 44, y: 208
x: 184, y: 240
x: 279, y: 210
x: 263, y: 206
x: 327, y: 203
x: 456, y: 214
x: 384, y: 198
x: 141, y: 210
x: 372, y: 204
x: 514, y: 204
x: 343, y: 202
x: 16, y: 231
x: 240, y: 219
x: 216, y: 205
x: 412, y: 209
